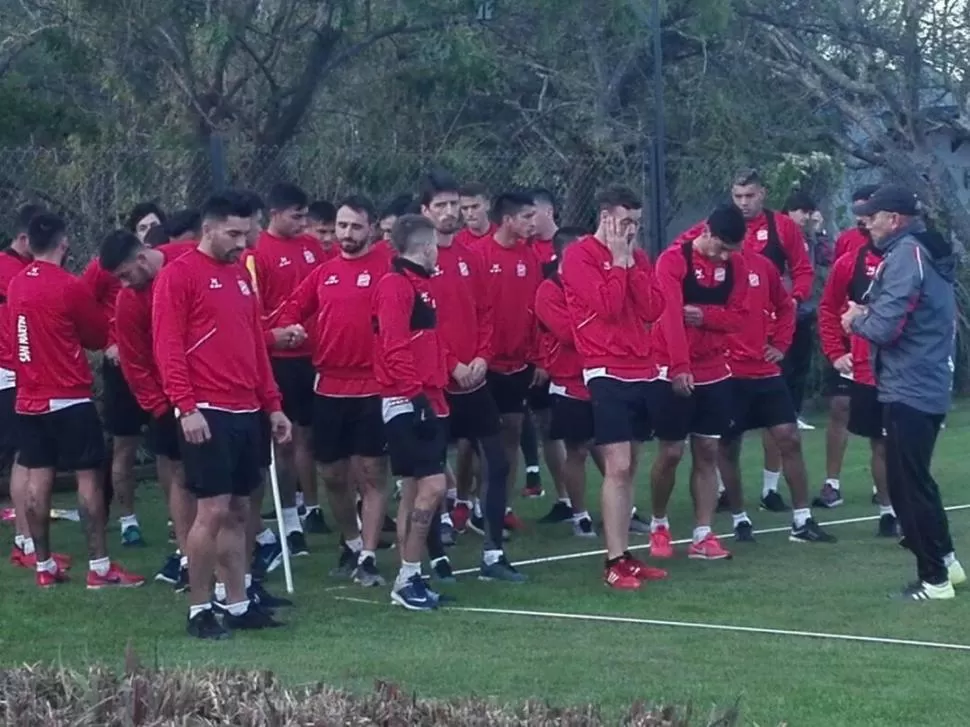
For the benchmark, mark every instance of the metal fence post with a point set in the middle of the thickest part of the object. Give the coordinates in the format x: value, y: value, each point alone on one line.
x: 217, y: 161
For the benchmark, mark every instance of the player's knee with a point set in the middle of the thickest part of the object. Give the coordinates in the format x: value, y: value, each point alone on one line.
x: 839, y: 409
x: 669, y: 454
x: 787, y: 439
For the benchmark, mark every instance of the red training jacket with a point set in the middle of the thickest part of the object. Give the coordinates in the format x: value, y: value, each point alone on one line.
x: 559, y: 355
x: 513, y: 275
x: 207, y: 337
x: 459, y: 288
x: 471, y: 240
x: 105, y: 287
x: 769, y: 320
x: 718, y: 289
x: 133, y: 332
x: 611, y: 309
x: 336, y: 303
x: 850, y: 240
x: 544, y: 251
x: 409, y: 354
x: 53, y: 317
x: 11, y: 264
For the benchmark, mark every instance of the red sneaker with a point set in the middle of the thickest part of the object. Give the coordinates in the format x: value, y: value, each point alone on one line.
x: 643, y: 572
x: 116, y: 577
x: 709, y: 548
x: 512, y: 521
x: 661, y: 544
x: 24, y: 560
x: 618, y: 576
x: 47, y: 579
x: 460, y: 514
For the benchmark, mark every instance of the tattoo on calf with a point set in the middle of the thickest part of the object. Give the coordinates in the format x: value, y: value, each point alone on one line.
x: 422, y: 517
x: 89, y: 531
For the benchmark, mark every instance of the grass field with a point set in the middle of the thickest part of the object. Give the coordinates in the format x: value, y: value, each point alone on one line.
x: 838, y: 589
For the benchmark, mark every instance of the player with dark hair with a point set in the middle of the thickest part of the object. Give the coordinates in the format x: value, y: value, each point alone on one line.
x: 474, y: 203
x: 55, y: 318
x: 184, y: 225
x: 321, y: 224
x: 397, y: 207
x: 156, y: 237
x: 704, y: 283
x: 143, y: 217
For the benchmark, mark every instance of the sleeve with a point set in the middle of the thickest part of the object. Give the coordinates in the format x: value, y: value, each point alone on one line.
x: 730, y: 318
x: 796, y: 253
x: 88, y: 317
x: 303, y: 303
x: 483, y: 309
x: 896, y: 294
x: 536, y: 355
x: 267, y: 391
x: 671, y: 269
x: 842, y: 243
x: 171, y: 303
x: 599, y: 295
x: 551, y: 312
x: 690, y: 234
x: 393, y: 299
x: 133, y: 333
x: 648, y: 300
x: 830, y: 307
x: 784, y: 310
x: 104, y: 288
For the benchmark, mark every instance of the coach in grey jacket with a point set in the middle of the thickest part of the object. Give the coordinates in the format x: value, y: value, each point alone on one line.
x: 910, y: 319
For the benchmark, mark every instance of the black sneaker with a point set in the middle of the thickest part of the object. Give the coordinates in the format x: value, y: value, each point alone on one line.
x: 389, y: 526
x: 169, y: 572
x: 584, y: 528
x: 266, y: 600
x: 560, y: 513
x: 639, y: 526
x: 314, y: 522
x: 810, y: 532
x: 253, y: 619
x: 744, y: 532
x: 722, y: 503
x: 829, y: 497
x: 297, y: 542
x: 182, y: 584
x: 205, y: 625
x: 887, y: 526
x: 367, y: 575
x: 347, y: 563
x: 442, y: 570
x: 773, y: 502
x: 269, y: 557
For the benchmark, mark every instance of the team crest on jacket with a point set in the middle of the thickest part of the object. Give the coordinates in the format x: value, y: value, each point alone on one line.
x: 243, y: 287
x: 520, y: 270
x: 309, y: 256
x: 870, y: 271
x: 754, y: 280
x: 463, y: 268
x: 719, y: 275
x: 762, y: 235
x: 363, y: 280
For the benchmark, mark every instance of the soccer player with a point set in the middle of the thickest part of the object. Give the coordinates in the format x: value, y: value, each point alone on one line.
x: 397, y: 207
x: 704, y: 283
x: 143, y: 217
x: 410, y: 365
x: 285, y: 256
x: 474, y: 202
x: 856, y: 236
x: 212, y: 358
x: 54, y: 317
x: 321, y: 224
x: 184, y: 225
x: 336, y: 303
x: 464, y: 327
x: 613, y: 297
x: 571, y: 413
x: 761, y: 399
x: 849, y: 280
x: 513, y: 275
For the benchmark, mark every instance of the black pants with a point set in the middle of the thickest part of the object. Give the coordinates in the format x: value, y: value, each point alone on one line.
x: 798, y: 361
x: 910, y: 439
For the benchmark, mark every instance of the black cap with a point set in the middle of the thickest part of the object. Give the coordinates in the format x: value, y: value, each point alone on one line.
x: 889, y: 198
x: 864, y: 192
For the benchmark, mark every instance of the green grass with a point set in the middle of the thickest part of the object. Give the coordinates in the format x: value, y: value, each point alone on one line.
x: 840, y: 589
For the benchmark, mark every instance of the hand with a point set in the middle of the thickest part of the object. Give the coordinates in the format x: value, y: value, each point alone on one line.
x: 683, y: 384
x: 617, y: 243
x: 195, y: 428
x: 289, y: 337
x: 297, y: 335
x: 479, y: 370
x: 843, y: 364
x: 772, y: 354
x: 111, y: 353
x: 693, y: 316
x: 463, y: 376
x: 855, y: 310
x: 281, y: 427
x: 539, y: 377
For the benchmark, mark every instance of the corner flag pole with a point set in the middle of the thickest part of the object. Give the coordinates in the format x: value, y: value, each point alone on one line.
x: 274, y: 482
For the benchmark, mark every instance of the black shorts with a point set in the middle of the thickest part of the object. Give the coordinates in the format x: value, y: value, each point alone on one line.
x: 621, y: 410
x: 228, y: 464
x: 122, y: 415
x: 474, y: 415
x: 295, y: 378
x: 510, y: 390
x: 347, y: 426
x: 834, y: 383
x: 265, y: 441
x: 538, y: 397
x: 68, y: 440
x: 707, y: 412
x: 865, y: 412
x: 417, y: 451
x: 571, y: 420
x: 8, y: 427
x: 760, y: 404
x: 163, y: 436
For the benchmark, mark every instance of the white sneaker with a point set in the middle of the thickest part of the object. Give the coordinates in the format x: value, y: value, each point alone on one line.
x: 805, y: 426
x: 957, y: 575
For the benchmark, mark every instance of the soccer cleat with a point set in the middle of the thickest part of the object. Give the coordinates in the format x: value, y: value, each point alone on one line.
x: 169, y: 572
x: 641, y: 570
x: 773, y: 502
x: 512, y: 521
x: 182, y: 584
x: 584, y: 528
x: 440, y: 598
x: 638, y: 526
x: 805, y: 426
x: 447, y: 534
x: 315, y: 523
x: 116, y: 577
x: 744, y: 532
x: 709, y: 548
x: 500, y: 570
x: 957, y: 575
x: 29, y: 560
x: 48, y: 579
x: 367, y: 575
x: 254, y: 618
x: 661, y: 544
x: 347, y: 563
x: 205, y: 625
x: 441, y: 567
x: 460, y: 515
x: 618, y: 576
x: 829, y: 497
x: 921, y: 591
x: 533, y: 486
x: 264, y: 599
x: 888, y: 528
x: 810, y: 532
x: 131, y: 537
x: 297, y: 542
x: 269, y: 556
x: 414, y: 595
x: 560, y: 513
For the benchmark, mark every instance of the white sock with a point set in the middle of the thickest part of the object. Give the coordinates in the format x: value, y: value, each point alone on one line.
x: 659, y: 522
x: 365, y: 554
x: 300, y: 502
x: 720, y: 481
x: 128, y: 521
x: 18, y: 541
x: 48, y: 565
x: 248, y: 581
x: 578, y: 517
x: 267, y: 537
x: 874, y: 490
x: 196, y: 610
x: 949, y: 559
x: 101, y: 566
x: 184, y: 561
x: 491, y: 557
x: 446, y: 519
x: 28, y: 546
x: 801, y: 516
x: 508, y: 511
x: 834, y: 482
x: 532, y: 470
x: 452, y: 493
x: 567, y: 502
x: 769, y: 482
x: 237, y: 609
x: 408, y: 571
x: 291, y: 520
x: 356, y: 544
x: 741, y: 517
x: 886, y: 510
x: 633, y: 511
x: 700, y: 533
x: 219, y: 591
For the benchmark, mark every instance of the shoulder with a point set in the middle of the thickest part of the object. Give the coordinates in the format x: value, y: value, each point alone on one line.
x: 787, y: 226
